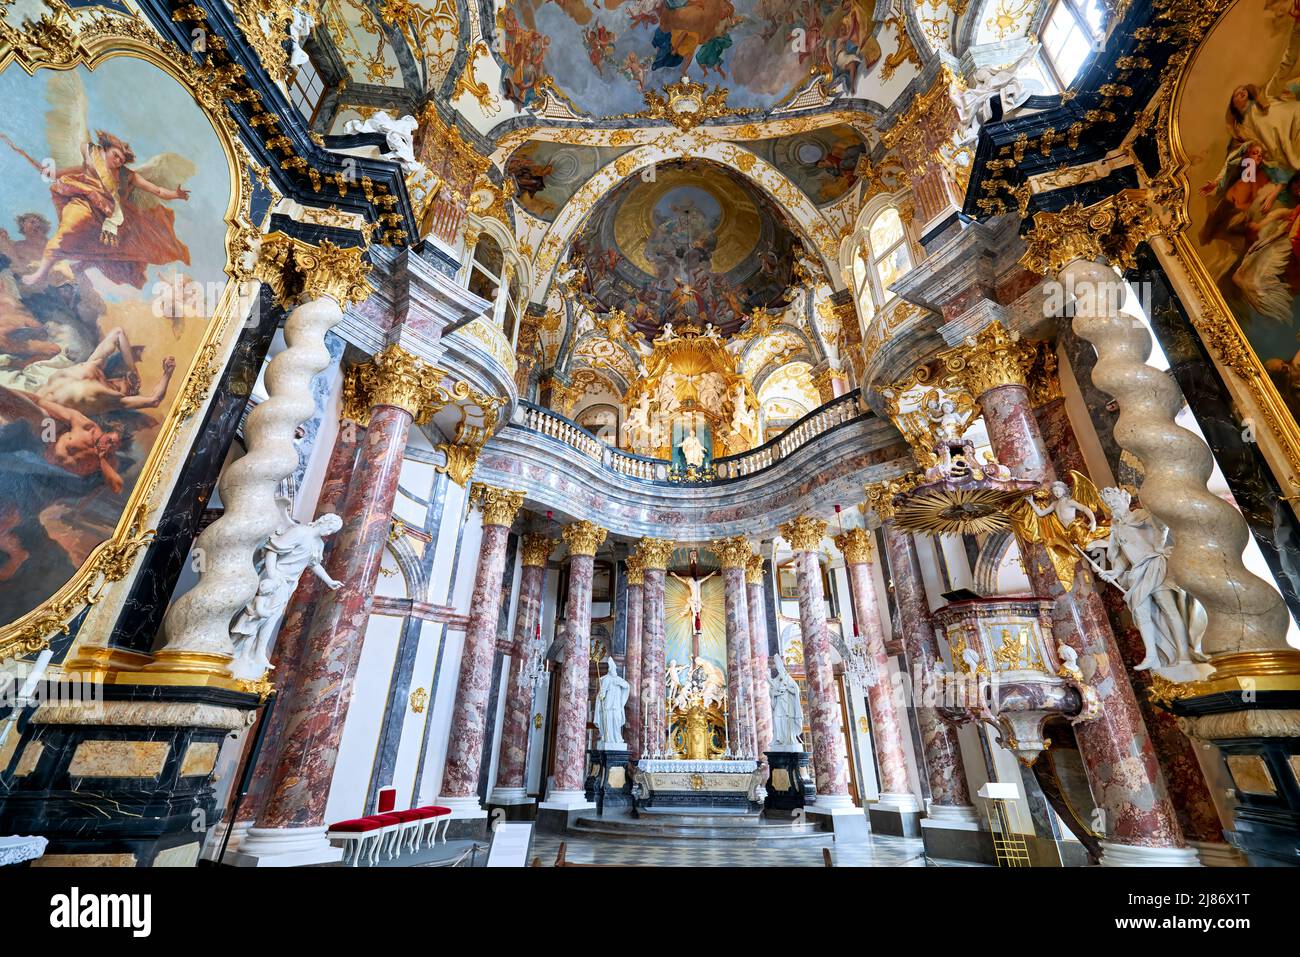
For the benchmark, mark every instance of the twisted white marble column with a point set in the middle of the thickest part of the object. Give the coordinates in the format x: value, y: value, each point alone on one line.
x: 197, y: 626
x: 1209, y: 535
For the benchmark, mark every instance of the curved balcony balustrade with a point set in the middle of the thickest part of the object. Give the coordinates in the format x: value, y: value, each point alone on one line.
x: 822, y: 459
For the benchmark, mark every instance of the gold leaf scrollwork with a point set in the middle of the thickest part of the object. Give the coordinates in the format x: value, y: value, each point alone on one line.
x: 1111, y: 231
x: 804, y: 533
x: 498, y: 505
x: 583, y: 538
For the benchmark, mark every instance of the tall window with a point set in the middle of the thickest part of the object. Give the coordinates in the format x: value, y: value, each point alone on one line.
x: 307, y: 89
x: 879, y: 261
x: 1072, y: 30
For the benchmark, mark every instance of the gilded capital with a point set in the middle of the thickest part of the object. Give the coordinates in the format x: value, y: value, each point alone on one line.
x: 733, y: 552
x: 754, y: 570
x: 855, y: 545
x: 635, y: 570
x: 297, y: 271
x: 996, y: 357
x: 1109, y: 231
x: 583, y: 538
x: 880, y: 495
x: 536, y: 549
x: 804, y: 533
x: 655, y: 553
x: 498, y: 505
x: 397, y: 378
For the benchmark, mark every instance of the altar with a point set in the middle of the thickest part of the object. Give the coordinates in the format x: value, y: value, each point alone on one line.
x: 677, y: 783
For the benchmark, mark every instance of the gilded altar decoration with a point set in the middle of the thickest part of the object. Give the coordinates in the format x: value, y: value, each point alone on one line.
x: 119, y: 302
x: 461, y: 458
x: 583, y: 538
x: 804, y: 533
x: 1066, y: 519
x: 536, y: 550
x: 419, y: 698
x: 498, y: 505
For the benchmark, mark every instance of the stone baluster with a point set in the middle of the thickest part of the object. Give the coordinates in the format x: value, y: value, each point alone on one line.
x: 734, y: 555
x: 583, y: 538
x: 469, y: 713
x: 896, y: 793
x: 319, y: 281
x: 655, y: 554
x: 1138, y: 819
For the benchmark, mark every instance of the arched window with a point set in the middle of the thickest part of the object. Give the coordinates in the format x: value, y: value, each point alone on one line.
x: 1071, y: 31
x: 880, y: 260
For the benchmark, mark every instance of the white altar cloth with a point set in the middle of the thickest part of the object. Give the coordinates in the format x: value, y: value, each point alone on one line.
x: 671, y: 765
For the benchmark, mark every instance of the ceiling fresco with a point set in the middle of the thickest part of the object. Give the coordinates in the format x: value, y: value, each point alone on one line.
x: 548, y: 174
x: 693, y: 244
x: 604, y: 54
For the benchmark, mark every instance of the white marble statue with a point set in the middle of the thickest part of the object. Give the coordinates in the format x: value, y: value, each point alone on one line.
x: 1135, y: 556
x: 695, y: 600
x: 787, y: 710
x: 709, y: 681
x: 975, y: 102
x: 693, y: 449
x: 611, y: 709
x: 291, y: 550
x: 675, y: 687
x: 299, y: 29
x: 947, y: 423
x: 742, y: 416
x: 711, y: 332
x: 399, y: 133
x: 1069, y: 660
x: 637, y: 426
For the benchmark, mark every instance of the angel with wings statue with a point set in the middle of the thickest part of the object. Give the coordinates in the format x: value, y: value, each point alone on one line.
x: 110, y: 209
x: 1066, y: 520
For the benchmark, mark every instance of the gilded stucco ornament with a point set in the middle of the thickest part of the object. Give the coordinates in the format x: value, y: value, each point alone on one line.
x: 536, y: 550
x: 804, y: 533
x: 583, y: 538
x: 687, y: 105
x: 733, y: 552
x: 498, y: 505
x: 297, y: 271
x: 855, y: 544
x: 754, y: 570
x: 1111, y: 231
x: 635, y: 569
x: 655, y: 553
x: 396, y: 377
x: 993, y: 358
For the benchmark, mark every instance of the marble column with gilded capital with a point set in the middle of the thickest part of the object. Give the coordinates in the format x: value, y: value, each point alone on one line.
x: 655, y: 554
x: 886, y: 726
x: 290, y: 828
x: 317, y: 282
x: 1138, y: 820
x: 583, y: 538
x: 805, y: 536
x: 469, y: 714
x: 632, y: 655
x: 758, y: 655
x: 945, y: 770
x: 526, y: 648
x: 734, y: 553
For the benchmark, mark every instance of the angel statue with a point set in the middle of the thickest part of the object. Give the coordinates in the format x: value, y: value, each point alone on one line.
x: 1136, y: 559
x: 637, y: 425
x: 1065, y: 520
x: 291, y: 550
x: 110, y: 209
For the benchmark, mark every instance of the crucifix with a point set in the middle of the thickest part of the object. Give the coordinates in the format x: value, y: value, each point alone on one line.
x: 695, y: 603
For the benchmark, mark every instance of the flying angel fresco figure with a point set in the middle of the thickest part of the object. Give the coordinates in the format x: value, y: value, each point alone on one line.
x: 110, y: 212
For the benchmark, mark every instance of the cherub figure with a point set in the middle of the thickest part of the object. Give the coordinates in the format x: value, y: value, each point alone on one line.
x: 1063, y: 519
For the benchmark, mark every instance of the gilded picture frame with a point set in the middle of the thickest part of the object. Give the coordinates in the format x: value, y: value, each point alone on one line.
x: 64, y: 39
x: 1211, y: 314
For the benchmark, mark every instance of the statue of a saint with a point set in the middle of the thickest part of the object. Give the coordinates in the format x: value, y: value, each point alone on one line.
x: 291, y: 550
x: 787, y: 711
x: 693, y: 449
x: 1136, y: 561
x: 611, y: 709
x: 637, y: 426
x: 742, y: 417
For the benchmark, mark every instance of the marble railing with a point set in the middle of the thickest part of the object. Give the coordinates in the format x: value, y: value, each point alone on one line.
x: 825, y: 459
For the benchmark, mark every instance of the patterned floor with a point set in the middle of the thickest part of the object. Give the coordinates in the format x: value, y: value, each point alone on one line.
x: 875, y: 852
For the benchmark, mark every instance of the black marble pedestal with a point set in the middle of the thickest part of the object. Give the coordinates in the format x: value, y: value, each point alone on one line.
x: 609, y: 779
x: 788, y: 786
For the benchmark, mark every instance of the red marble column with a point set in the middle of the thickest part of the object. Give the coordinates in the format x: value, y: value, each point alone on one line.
x: 655, y: 554
x: 734, y: 554
x: 886, y: 729
x: 632, y: 654
x: 291, y: 826
x: 469, y: 713
x: 1115, y: 747
x: 805, y: 535
x: 287, y: 653
x: 583, y: 538
x: 758, y: 659
x: 943, y: 762
x: 511, y: 787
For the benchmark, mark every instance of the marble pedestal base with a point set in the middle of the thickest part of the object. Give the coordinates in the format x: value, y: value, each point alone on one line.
x: 845, y: 820
x: 284, y: 847
x: 609, y: 779
x: 561, y: 809
x: 895, y: 818
x: 511, y: 804
x: 952, y: 838
x: 788, y: 786
x: 1125, y: 855
x: 1218, y: 855
x: 469, y: 819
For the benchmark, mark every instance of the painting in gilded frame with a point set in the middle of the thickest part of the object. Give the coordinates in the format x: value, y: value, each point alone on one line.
x: 117, y: 198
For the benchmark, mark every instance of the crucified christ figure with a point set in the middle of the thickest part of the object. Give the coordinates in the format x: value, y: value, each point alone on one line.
x: 695, y: 603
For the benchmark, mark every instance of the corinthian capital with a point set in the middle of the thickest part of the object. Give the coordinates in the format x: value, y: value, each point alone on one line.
x: 655, y: 552
x: 498, y: 505
x: 397, y: 378
x: 537, y: 549
x: 583, y: 538
x: 733, y: 552
x: 996, y: 357
x: 804, y: 533
x: 297, y: 271
x: 1109, y: 231
x: 754, y: 570
x: 855, y: 545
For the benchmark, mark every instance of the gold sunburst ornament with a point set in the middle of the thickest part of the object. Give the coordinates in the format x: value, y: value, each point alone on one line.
x: 943, y: 510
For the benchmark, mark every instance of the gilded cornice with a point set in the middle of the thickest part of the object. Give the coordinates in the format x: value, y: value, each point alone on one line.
x: 655, y: 553
x: 855, y: 545
x: 583, y: 538
x: 804, y: 533
x: 733, y: 552
x: 993, y: 358
x: 498, y: 505
x: 1109, y: 231
x: 297, y: 271
x: 536, y: 550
